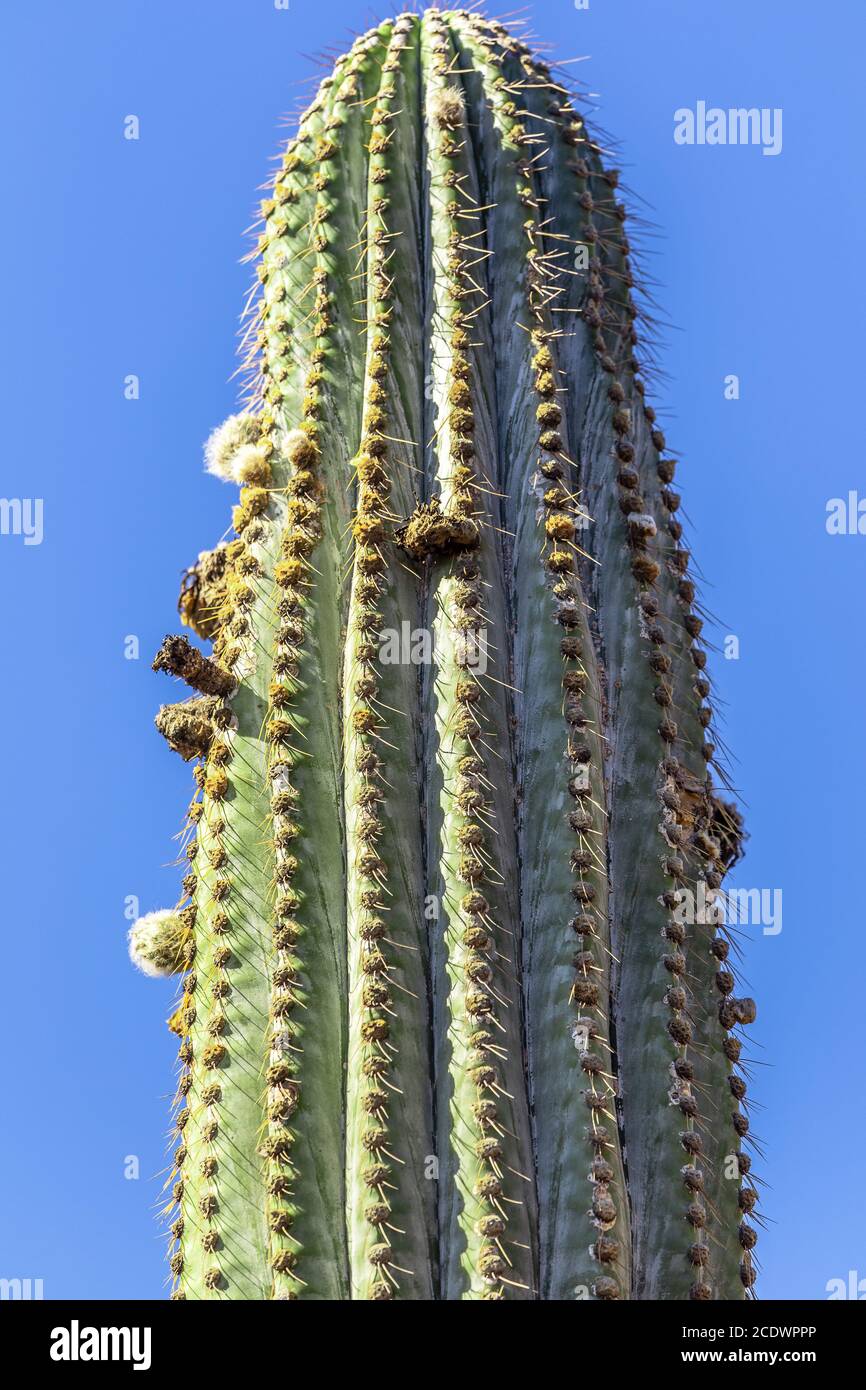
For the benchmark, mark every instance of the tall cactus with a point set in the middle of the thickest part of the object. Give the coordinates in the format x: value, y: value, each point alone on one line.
x: 447, y: 1028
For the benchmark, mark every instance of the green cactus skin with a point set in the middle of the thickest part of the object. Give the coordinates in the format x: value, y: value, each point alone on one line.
x: 445, y: 1031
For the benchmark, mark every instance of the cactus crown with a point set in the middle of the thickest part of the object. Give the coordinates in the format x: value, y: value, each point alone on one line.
x: 453, y: 778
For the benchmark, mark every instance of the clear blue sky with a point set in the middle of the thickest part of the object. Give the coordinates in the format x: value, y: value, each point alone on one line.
x: 122, y: 257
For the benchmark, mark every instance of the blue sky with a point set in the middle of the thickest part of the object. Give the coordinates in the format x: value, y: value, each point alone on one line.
x: 121, y: 257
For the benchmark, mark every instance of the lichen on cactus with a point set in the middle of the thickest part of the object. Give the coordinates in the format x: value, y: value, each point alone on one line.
x: 447, y: 1028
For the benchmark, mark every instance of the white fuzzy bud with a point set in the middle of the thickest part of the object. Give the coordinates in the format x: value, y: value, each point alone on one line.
x: 156, y: 942
x: 225, y: 441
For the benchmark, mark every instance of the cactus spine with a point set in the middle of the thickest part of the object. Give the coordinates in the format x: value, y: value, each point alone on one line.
x: 446, y: 1032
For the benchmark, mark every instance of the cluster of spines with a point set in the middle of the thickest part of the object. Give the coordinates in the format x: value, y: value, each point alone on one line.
x: 181, y: 1106
x: 181, y: 1023
x: 366, y: 731
x: 294, y: 576
x: 642, y: 528
x: 207, y: 887
x: 292, y: 573
x: 280, y: 324
x: 235, y: 649
x: 217, y: 889
x: 472, y: 948
x: 234, y: 642
x: 302, y: 343
x: 562, y: 519
x: 201, y: 1017
x: 610, y: 314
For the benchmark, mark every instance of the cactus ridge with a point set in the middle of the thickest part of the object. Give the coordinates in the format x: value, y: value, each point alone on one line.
x: 677, y: 686
x: 488, y: 1207
x: 446, y: 1031
x: 390, y: 1101
x: 582, y: 975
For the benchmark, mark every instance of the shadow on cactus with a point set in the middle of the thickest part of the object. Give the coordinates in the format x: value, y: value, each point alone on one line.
x: 446, y: 1032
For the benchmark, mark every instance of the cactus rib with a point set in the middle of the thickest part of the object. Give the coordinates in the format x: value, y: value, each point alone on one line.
x: 389, y: 1103
x: 488, y: 1212
x: 563, y: 835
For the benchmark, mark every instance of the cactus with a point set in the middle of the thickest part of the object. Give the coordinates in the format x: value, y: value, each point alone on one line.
x: 446, y: 1029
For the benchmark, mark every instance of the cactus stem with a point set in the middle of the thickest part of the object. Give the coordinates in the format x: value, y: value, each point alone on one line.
x: 436, y: 983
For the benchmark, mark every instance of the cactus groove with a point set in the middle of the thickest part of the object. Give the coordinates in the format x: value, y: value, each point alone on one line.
x: 447, y: 1027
